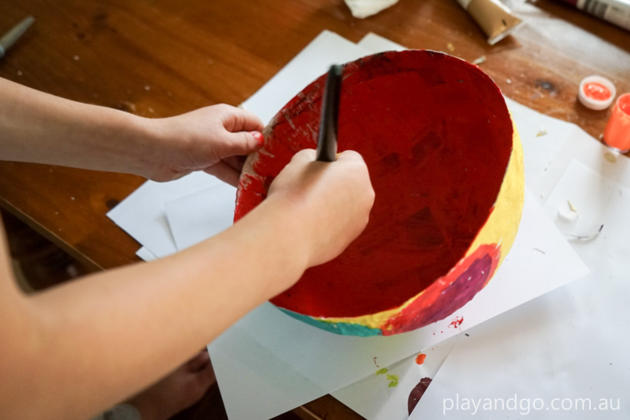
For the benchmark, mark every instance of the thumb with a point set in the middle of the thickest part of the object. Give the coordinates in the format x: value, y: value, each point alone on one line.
x: 243, y: 143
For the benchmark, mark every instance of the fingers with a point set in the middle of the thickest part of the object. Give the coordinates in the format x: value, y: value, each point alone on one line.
x: 242, y: 133
x: 304, y: 155
x: 225, y: 173
x: 237, y: 119
x: 242, y: 143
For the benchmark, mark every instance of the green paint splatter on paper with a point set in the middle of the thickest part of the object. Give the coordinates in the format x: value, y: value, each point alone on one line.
x: 393, y: 381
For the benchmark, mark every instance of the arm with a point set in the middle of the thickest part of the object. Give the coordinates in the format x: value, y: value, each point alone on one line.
x: 82, y: 346
x: 42, y: 128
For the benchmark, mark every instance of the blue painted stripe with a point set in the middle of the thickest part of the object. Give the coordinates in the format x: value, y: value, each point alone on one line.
x: 343, y: 328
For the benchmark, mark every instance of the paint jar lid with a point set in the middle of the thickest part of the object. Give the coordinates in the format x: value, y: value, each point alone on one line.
x: 596, y: 92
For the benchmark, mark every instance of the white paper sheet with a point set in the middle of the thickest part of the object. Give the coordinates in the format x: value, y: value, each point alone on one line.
x: 597, y: 201
x: 376, y: 43
x: 377, y: 398
x: 331, y: 361
x: 142, y: 214
x: 145, y: 255
x: 568, y: 346
x: 254, y: 383
x: 201, y: 215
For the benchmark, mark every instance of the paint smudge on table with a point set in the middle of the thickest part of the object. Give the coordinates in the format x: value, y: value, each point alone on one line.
x: 416, y: 393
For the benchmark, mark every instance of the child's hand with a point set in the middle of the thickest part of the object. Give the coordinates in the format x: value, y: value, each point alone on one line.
x: 332, y: 200
x: 214, y: 139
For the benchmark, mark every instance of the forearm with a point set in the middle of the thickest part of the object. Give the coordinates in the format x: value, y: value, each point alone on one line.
x: 42, y: 128
x: 106, y: 336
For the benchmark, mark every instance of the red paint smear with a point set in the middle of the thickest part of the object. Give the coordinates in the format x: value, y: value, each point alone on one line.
x: 457, y: 322
x: 420, y: 358
x: 597, y: 91
x: 437, y: 137
x: 416, y: 393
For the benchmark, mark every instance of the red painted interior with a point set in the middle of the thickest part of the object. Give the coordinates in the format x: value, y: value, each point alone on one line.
x: 436, y: 135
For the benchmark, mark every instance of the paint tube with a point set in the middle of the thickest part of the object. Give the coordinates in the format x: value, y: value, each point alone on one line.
x: 614, y: 11
x: 496, y: 20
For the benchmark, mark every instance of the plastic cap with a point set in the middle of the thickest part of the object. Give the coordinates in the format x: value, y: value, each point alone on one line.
x: 596, y: 92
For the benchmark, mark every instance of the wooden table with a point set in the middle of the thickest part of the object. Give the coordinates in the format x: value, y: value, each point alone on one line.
x: 163, y: 57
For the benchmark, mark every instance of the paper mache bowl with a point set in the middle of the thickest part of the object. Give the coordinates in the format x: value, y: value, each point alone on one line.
x: 446, y: 164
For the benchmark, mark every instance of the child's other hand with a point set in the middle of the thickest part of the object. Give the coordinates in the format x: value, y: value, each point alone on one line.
x: 214, y: 139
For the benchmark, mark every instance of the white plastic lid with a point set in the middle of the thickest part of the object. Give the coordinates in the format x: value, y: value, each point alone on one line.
x: 593, y: 103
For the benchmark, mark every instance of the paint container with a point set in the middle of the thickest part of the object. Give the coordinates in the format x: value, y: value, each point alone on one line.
x: 614, y: 11
x: 617, y: 132
x: 496, y: 20
x: 596, y: 92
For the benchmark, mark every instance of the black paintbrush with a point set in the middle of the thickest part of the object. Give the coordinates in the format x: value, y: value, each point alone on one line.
x: 327, y: 139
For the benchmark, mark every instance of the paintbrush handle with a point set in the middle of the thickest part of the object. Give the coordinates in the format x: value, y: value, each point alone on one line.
x: 14, y: 34
x: 327, y: 139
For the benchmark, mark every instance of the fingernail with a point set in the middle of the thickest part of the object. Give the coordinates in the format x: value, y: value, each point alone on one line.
x: 259, y: 137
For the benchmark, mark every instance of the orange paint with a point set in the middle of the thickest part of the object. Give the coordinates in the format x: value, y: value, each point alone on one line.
x: 597, y: 91
x: 420, y: 358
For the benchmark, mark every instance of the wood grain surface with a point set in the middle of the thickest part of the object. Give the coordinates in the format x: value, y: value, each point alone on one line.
x: 162, y: 57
